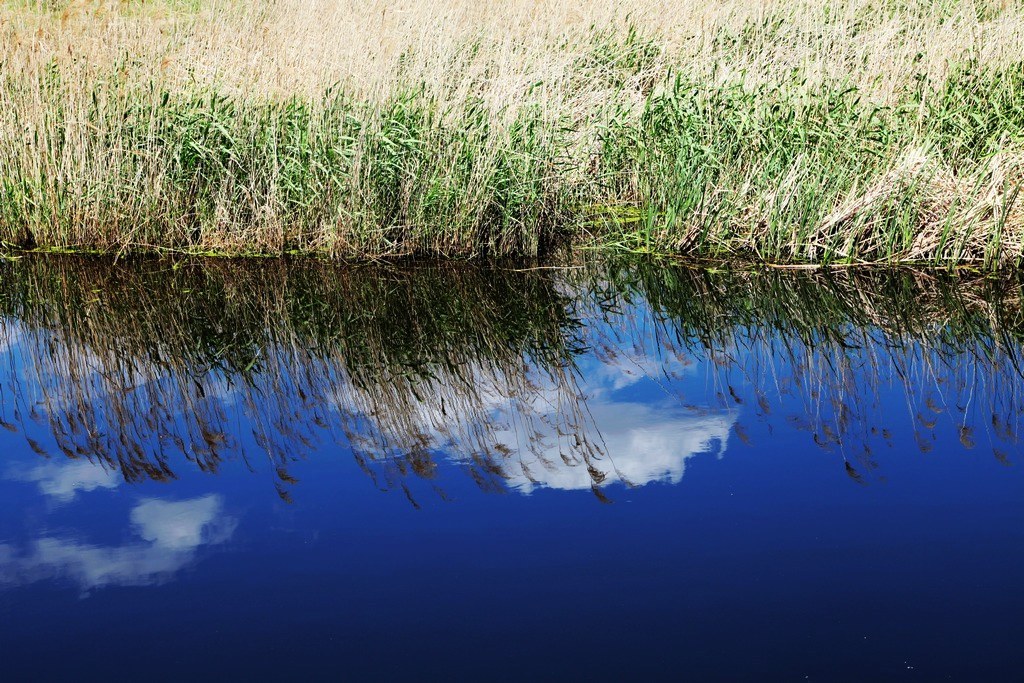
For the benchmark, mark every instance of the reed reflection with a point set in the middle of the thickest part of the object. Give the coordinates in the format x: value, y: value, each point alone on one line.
x: 527, y: 378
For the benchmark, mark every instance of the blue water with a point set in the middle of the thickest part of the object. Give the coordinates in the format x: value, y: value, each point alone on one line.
x: 718, y: 534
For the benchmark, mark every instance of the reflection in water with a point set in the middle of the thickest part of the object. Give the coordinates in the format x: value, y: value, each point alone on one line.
x: 62, y: 481
x: 568, y: 378
x: 171, y: 533
x: 640, y: 449
x: 638, y: 443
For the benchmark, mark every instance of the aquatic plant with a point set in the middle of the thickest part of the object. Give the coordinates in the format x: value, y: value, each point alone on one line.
x: 858, y: 131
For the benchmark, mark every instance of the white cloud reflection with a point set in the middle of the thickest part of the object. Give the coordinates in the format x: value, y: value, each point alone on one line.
x: 62, y: 481
x: 641, y: 444
x: 639, y: 441
x: 553, y: 438
x: 171, y: 533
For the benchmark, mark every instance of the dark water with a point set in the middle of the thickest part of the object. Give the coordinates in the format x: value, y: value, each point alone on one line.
x: 640, y: 471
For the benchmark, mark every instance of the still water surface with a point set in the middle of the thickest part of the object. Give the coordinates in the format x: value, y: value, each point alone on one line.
x: 282, y: 470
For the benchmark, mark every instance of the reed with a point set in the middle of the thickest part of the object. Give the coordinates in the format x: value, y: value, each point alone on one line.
x: 855, y: 131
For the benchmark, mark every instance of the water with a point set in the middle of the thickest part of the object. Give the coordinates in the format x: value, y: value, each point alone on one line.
x: 302, y: 470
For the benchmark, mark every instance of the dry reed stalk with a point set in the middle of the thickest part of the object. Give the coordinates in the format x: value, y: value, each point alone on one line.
x: 460, y: 127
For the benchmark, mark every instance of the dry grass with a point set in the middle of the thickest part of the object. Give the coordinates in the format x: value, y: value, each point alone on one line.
x: 295, y: 47
x: 857, y: 130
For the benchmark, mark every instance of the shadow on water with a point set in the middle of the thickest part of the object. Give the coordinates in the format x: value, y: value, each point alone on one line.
x: 524, y: 378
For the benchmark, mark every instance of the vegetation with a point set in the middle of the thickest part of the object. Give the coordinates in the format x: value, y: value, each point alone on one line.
x: 848, y: 131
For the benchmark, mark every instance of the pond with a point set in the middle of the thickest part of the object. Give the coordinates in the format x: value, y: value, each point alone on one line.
x: 590, y: 470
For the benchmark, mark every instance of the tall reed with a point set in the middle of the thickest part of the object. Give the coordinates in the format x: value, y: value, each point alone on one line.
x: 863, y: 130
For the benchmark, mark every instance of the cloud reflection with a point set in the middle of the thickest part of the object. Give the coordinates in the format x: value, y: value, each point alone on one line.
x: 172, y: 533
x: 62, y: 481
x: 641, y: 444
x: 611, y: 439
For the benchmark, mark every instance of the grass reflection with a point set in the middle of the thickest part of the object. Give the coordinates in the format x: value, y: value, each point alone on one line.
x: 511, y: 372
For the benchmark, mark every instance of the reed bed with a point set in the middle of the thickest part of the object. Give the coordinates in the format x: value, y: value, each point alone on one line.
x: 849, y: 131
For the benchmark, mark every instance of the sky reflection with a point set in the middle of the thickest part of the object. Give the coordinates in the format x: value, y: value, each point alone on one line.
x: 171, y: 534
x: 61, y: 482
x: 295, y: 470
